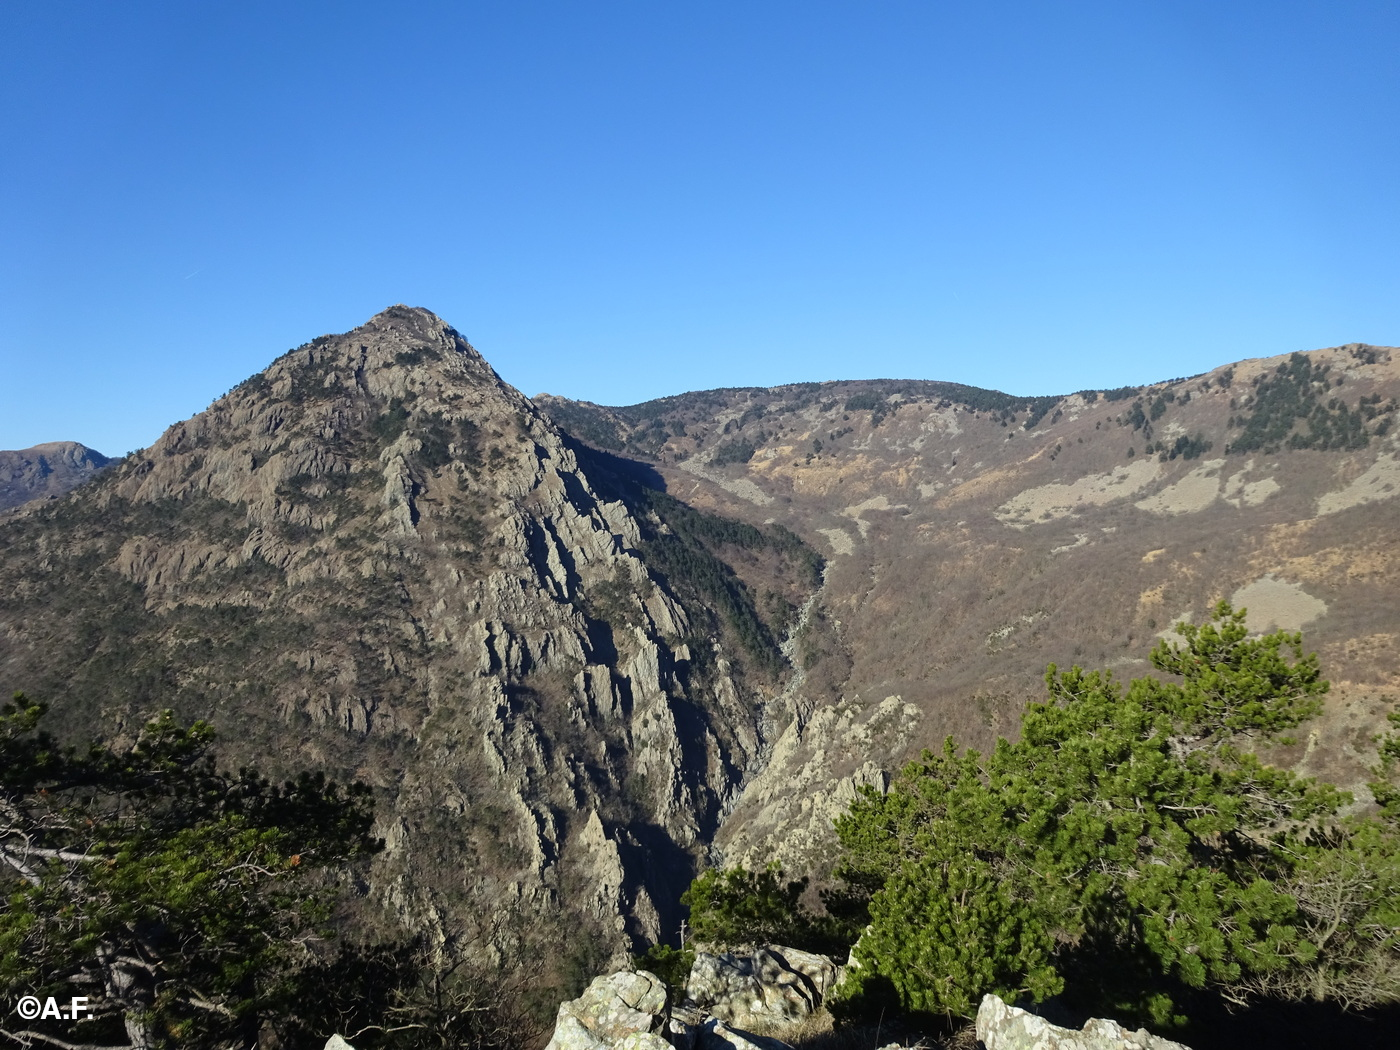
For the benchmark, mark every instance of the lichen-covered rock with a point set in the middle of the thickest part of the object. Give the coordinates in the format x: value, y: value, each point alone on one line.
x: 773, y: 985
x: 620, y: 1011
x: 1003, y: 1027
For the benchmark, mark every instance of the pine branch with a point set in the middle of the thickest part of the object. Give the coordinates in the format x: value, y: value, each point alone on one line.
x: 27, y: 1037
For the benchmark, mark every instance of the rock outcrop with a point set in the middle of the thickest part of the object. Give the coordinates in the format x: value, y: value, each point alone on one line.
x: 1003, y: 1027
x: 768, y: 988
x: 771, y: 985
x: 626, y: 1011
x: 629, y: 1011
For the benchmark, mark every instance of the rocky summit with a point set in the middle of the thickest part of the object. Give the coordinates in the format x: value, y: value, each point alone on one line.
x: 377, y: 560
x: 47, y: 470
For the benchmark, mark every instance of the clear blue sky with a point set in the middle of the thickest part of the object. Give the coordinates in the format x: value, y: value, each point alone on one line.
x: 618, y: 200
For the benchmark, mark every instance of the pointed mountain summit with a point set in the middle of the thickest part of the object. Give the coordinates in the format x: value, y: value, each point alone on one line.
x: 377, y: 559
x: 321, y: 405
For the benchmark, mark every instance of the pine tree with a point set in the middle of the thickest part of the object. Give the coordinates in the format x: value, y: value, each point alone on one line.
x: 170, y: 895
x: 1128, y: 848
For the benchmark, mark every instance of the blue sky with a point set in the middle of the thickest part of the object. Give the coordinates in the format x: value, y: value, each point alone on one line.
x: 619, y: 200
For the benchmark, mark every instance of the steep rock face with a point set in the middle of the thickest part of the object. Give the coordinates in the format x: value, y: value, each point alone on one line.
x: 46, y: 470
x: 975, y: 537
x: 378, y: 559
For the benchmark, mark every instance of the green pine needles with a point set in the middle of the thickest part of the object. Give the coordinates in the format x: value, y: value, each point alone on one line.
x: 177, y: 899
x: 1130, y: 849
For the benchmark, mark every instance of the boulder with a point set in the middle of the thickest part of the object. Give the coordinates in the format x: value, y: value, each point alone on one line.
x: 1003, y: 1027
x: 620, y: 1011
x: 771, y: 986
x: 337, y: 1042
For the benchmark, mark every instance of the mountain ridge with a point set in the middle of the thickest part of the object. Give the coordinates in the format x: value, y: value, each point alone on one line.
x: 972, y: 544
x: 548, y: 632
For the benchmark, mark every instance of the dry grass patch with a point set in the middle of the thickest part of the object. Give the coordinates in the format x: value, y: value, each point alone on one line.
x: 818, y: 1031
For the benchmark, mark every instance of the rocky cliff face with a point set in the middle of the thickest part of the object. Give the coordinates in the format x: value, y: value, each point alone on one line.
x: 974, y: 537
x: 46, y: 470
x: 378, y: 559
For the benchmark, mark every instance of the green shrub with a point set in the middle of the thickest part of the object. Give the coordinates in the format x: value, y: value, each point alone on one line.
x: 738, y: 450
x: 672, y: 965
x: 1129, y: 852
x: 737, y: 906
x: 865, y: 401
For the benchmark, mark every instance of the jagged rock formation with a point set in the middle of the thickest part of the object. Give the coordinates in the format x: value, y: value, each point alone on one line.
x: 975, y: 537
x: 377, y: 559
x: 1003, y: 1027
x: 46, y: 470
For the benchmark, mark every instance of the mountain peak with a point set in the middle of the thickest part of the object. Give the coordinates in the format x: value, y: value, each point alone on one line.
x: 404, y: 378
x: 409, y: 321
x: 398, y: 336
x: 429, y: 591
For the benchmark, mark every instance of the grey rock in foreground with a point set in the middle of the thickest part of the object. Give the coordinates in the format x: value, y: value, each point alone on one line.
x: 628, y: 1011
x: 620, y: 1011
x: 1003, y: 1027
x: 772, y: 986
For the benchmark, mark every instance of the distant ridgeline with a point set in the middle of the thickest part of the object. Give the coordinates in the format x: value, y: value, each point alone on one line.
x: 46, y: 471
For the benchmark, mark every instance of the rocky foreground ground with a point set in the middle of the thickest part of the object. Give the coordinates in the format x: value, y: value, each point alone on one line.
x: 751, y: 1001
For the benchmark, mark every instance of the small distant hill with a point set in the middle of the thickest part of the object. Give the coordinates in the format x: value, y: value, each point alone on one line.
x: 50, y: 469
